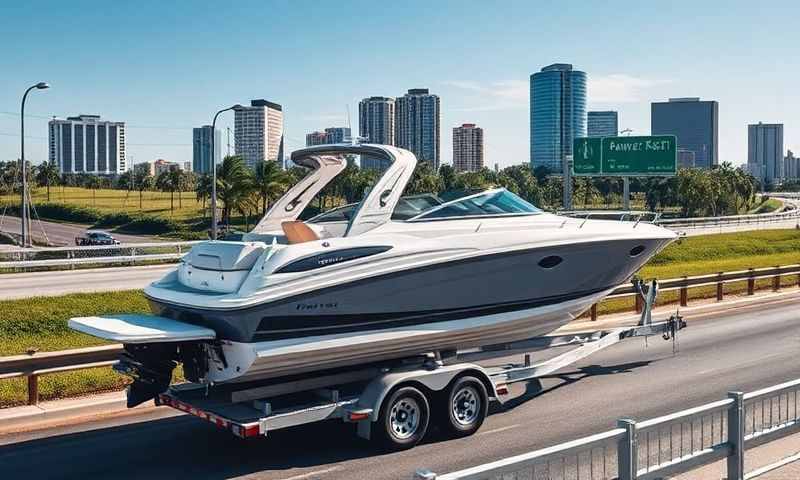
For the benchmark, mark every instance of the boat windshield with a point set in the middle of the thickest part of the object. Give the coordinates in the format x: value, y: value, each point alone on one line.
x: 494, y: 202
x: 407, y: 207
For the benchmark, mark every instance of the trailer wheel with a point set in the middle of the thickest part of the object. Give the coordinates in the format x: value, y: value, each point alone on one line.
x: 466, y: 403
x: 404, y: 419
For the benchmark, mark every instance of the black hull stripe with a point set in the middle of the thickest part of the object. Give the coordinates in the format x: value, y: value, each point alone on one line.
x: 279, y: 328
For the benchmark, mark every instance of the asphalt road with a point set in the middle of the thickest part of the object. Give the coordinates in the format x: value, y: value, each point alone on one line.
x: 754, y: 348
x: 61, y: 234
x: 61, y: 282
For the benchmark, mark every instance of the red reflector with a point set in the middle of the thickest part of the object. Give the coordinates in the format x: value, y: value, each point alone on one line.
x: 251, y: 430
x: 354, y: 417
x: 502, y: 389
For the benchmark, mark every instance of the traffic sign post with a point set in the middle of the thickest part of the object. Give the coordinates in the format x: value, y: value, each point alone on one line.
x: 625, y: 157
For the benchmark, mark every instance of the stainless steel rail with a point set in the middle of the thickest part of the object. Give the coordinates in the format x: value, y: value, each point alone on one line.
x: 661, y: 447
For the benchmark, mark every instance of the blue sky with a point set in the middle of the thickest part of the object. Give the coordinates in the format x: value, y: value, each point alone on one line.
x: 165, y: 67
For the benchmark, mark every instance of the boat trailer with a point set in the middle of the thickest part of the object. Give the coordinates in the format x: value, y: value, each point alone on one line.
x: 394, y: 402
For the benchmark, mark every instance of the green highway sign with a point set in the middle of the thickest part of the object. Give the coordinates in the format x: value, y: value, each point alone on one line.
x: 587, y: 156
x: 626, y: 156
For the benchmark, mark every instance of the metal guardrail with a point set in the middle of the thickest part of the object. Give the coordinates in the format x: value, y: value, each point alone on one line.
x: 661, y: 447
x: 70, y: 257
x: 36, y: 364
x: 682, y: 285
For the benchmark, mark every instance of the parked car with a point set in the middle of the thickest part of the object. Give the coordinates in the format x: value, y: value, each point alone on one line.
x: 94, y: 237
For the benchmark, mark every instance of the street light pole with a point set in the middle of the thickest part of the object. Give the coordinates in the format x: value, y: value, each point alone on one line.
x: 24, y: 212
x: 214, y: 171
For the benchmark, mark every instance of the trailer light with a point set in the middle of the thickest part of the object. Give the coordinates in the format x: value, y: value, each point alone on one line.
x: 502, y: 389
x: 356, y: 416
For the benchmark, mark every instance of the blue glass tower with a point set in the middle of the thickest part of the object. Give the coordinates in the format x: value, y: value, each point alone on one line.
x: 558, y: 114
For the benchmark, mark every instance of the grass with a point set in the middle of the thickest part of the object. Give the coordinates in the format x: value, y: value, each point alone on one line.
x: 113, y: 201
x: 767, y: 205
x: 41, y: 323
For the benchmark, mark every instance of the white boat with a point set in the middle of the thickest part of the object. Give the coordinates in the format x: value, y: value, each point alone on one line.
x: 387, y: 278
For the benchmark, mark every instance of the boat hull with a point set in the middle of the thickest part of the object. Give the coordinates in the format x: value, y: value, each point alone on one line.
x: 251, y: 361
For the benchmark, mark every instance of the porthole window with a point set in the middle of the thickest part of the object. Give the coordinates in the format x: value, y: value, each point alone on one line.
x: 550, y: 262
x: 637, y: 250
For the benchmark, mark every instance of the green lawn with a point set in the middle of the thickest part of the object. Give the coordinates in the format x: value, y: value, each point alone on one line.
x: 41, y: 323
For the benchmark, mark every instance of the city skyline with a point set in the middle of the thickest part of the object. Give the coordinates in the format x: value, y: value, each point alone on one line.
x: 149, y: 79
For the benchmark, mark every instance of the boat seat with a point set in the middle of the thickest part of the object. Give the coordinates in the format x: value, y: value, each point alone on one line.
x: 298, y: 232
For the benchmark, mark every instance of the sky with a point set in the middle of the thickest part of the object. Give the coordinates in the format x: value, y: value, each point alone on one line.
x: 165, y: 67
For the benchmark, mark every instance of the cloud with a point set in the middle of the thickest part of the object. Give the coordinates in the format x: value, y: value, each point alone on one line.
x: 501, y: 95
x: 620, y: 88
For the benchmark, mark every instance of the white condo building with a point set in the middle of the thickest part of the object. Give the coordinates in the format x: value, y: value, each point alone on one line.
x: 87, y: 144
x: 258, y: 132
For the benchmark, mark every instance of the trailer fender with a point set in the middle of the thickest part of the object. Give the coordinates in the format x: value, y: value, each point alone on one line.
x: 432, y: 379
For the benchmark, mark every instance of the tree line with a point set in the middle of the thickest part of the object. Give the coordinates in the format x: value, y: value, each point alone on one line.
x: 723, y: 190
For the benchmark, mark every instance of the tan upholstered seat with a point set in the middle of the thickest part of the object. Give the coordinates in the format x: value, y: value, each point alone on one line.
x: 298, y: 232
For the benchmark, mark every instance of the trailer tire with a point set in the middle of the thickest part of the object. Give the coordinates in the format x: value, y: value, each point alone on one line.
x: 464, y: 407
x: 403, y: 420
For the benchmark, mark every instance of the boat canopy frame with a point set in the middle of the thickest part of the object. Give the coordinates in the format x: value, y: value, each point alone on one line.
x: 328, y: 161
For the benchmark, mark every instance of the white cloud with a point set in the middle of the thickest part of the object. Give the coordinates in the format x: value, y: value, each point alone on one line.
x: 620, y: 88
x: 502, y: 95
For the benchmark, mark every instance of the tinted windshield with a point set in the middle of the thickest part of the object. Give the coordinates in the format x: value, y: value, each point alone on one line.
x: 492, y: 202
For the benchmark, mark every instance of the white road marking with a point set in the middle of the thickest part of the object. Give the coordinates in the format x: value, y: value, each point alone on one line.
x: 498, y: 430
x: 312, y: 474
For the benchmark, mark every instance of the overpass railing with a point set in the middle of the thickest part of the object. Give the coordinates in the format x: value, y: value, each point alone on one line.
x: 660, y: 447
x: 53, y: 258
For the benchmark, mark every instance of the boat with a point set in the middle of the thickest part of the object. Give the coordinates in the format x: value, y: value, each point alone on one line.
x: 386, y: 278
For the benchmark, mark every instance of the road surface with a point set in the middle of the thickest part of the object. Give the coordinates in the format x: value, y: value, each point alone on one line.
x: 62, y: 282
x: 61, y: 234
x: 754, y: 348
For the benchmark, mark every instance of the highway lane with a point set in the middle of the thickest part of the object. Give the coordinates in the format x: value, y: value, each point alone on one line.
x: 62, y: 234
x: 61, y: 282
x: 753, y: 348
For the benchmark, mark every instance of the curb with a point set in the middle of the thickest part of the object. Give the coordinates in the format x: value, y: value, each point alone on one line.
x: 32, y: 416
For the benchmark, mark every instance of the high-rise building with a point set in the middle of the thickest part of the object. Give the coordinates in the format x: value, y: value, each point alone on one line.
x: 376, y: 125
x: 791, y: 166
x: 338, y: 134
x: 467, y: 148
x: 87, y: 144
x: 694, y: 123
x: 417, y: 124
x: 316, y: 138
x: 187, y: 167
x: 258, y: 132
x: 558, y: 114
x: 202, y: 158
x: 765, y: 151
x: 602, y: 124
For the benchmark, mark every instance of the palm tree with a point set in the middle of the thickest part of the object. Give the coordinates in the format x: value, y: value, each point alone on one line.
x: 202, y: 190
x: 169, y: 181
x: 234, y: 182
x: 270, y: 181
x: 93, y: 182
x: 142, y: 180
x: 47, y: 174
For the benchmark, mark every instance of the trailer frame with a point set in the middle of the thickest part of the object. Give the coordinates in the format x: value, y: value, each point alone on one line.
x: 359, y: 395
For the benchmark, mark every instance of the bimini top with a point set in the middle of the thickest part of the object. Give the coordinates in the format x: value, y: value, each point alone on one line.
x: 326, y: 162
